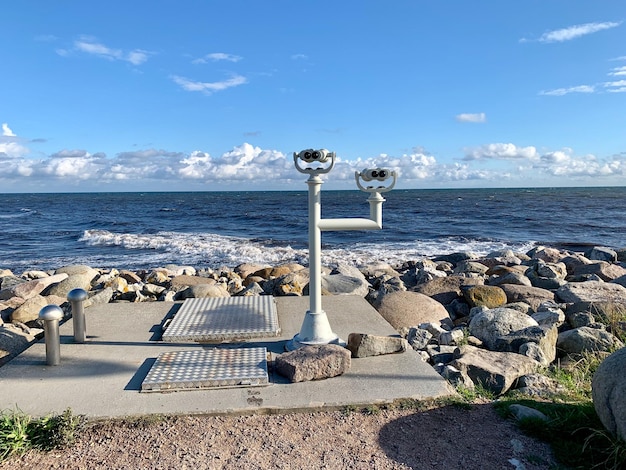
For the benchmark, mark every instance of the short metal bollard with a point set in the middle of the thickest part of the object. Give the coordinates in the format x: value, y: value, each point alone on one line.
x: 51, y: 314
x: 76, y: 297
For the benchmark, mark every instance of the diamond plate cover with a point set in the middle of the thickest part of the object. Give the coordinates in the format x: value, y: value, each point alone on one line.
x: 212, y: 368
x: 224, y: 319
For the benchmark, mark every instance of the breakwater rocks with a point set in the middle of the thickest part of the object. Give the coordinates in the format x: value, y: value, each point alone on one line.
x: 493, y: 320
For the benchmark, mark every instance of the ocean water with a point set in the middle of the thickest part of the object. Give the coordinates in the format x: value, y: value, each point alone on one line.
x: 213, y: 229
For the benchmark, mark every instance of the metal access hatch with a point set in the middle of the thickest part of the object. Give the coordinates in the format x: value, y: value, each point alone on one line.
x: 207, y: 368
x: 224, y: 319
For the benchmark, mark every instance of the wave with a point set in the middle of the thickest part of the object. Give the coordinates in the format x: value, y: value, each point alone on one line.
x: 22, y: 213
x: 209, y: 249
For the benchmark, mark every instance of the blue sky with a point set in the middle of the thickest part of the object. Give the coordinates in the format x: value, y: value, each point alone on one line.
x: 217, y: 95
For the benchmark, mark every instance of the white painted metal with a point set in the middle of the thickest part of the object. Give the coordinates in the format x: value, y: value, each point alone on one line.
x: 315, y: 327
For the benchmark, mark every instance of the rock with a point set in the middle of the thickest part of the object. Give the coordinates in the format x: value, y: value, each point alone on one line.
x: 601, y: 253
x: 591, y: 291
x: 549, y: 316
x: 468, y: 266
x: 537, y: 385
x: 184, y: 281
x: 251, y: 289
x: 447, y: 289
x: 533, y: 296
x: 338, y: 284
x: 10, y: 281
x: 405, y: 309
x: 544, y: 337
x: 522, y: 412
x: 130, y: 277
x: 484, y: 296
x: 457, y: 257
x: 418, y: 338
x: 313, y: 363
x: 201, y: 291
x: 492, y: 324
x: 75, y: 269
x: 158, y: 277
x: 440, y: 354
x: 101, y: 297
x: 549, y: 255
x: 29, y: 289
x: 29, y: 310
x: 602, y: 269
x: 547, y: 275
x: 456, y: 377
x: 176, y: 270
x: 451, y: 338
x: 510, y: 278
x: 583, y: 339
x: 495, y: 371
x: 15, y: 339
x: 80, y: 280
x: 364, y: 345
x: 292, y: 283
x: 246, y: 269
x: 608, y: 389
x: 379, y: 269
x: 347, y: 270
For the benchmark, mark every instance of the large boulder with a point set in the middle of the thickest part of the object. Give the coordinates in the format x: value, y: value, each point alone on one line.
x: 534, y: 341
x: 584, y: 339
x: 591, y: 291
x: 364, y: 345
x: 404, y: 309
x: 29, y: 310
x: 491, y: 324
x: 15, y: 338
x: 533, y: 296
x: 495, y: 371
x: 602, y: 269
x: 338, y: 284
x: 447, y: 289
x: 608, y: 390
x: 484, y: 296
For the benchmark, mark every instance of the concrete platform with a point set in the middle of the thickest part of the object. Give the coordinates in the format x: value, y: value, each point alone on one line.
x: 102, y: 378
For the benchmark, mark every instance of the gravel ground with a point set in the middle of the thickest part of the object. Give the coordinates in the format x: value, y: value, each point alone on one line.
x: 447, y: 437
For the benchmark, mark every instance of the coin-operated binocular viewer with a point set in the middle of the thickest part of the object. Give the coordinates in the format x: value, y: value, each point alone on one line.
x: 315, y: 328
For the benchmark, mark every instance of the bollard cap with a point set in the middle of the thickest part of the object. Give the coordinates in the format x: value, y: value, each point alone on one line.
x: 51, y: 312
x: 77, y: 295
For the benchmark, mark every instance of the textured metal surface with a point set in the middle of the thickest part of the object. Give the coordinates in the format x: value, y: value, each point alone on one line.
x: 224, y: 319
x: 207, y: 368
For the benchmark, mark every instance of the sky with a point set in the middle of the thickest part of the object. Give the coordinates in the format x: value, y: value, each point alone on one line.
x: 218, y: 95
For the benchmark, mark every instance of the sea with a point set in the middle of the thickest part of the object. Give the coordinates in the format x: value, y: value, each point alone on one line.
x: 145, y: 230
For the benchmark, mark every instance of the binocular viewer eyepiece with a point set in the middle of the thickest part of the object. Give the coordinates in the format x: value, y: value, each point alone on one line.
x: 311, y: 155
x: 375, y: 174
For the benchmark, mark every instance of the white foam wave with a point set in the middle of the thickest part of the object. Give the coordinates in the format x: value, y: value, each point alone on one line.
x: 207, y: 249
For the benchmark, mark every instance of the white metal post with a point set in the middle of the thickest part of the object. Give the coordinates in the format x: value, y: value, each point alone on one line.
x: 315, y: 328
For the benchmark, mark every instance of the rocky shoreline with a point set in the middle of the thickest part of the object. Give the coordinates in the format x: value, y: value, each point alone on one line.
x: 492, y: 321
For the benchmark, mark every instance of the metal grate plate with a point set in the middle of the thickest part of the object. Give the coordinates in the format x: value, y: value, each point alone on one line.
x: 212, y: 368
x: 224, y: 319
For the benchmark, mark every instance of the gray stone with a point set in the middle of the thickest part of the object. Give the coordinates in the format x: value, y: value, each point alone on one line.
x: 10, y: 281
x: 537, y: 385
x: 533, y: 351
x: 447, y: 289
x: 251, y: 289
x: 544, y: 337
x: 202, y: 291
x: 440, y: 354
x: 601, y: 253
x: 364, y: 345
x: 495, y: 371
x: 418, y: 338
x: 103, y: 296
x: 549, y: 255
x: 14, y: 339
x: 522, y: 412
x: 533, y: 296
x: 603, y: 270
x: 451, y: 338
x: 341, y: 284
x: 608, y: 391
x: 404, y: 309
x: 456, y: 377
x: 591, y: 291
x: 29, y: 289
x: 510, y: 278
x: 80, y: 280
x: 29, y: 310
x: 491, y: 324
x: 313, y: 363
x: 549, y: 316
x: 583, y: 339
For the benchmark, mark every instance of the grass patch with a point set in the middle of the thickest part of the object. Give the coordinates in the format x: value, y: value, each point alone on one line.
x: 20, y: 432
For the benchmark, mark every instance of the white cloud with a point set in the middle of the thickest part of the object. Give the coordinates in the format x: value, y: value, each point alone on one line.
x: 90, y: 46
x: 501, y: 151
x: 573, y: 32
x: 209, y: 87
x: 6, y: 131
x: 467, y: 117
x: 618, y: 71
x: 299, y: 57
x: 618, y: 86
x: 217, y: 56
x: 566, y: 91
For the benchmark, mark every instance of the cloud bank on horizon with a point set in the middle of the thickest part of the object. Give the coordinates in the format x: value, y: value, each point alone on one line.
x: 533, y: 102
